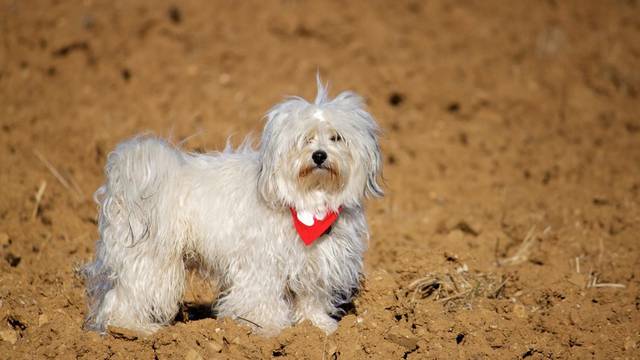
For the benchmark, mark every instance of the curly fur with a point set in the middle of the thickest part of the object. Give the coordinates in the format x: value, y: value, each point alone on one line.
x: 161, y: 206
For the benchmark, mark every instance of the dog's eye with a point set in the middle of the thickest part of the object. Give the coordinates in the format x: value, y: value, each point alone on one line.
x: 336, y: 137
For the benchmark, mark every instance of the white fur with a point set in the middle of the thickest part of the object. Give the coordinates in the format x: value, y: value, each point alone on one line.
x: 229, y: 213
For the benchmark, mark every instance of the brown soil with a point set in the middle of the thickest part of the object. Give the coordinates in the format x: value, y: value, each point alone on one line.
x: 512, y: 165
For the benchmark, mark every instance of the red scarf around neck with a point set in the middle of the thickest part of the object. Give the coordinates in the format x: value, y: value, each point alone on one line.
x: 309, y: 227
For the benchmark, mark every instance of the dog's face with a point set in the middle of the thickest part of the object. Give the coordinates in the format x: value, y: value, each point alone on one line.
x: 319, y: 156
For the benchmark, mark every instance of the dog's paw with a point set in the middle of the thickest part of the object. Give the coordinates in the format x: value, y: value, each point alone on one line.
x: 324, y: 322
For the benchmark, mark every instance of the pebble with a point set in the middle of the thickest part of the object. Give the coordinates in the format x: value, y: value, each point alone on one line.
x: 122, y: 333
x: 192, y: 70
x: 332, y: 348
x: 5, y: 240
x: 192, y: 355
x: 224, y: 79
x: 214, y: 347
x: 403, y: 337
x: 629, y: 344
x: 9, y: 336
x: 42, y: 319
x: 520, y: 311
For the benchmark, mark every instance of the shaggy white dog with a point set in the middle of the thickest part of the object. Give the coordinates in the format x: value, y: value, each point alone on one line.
x: 281, y: 229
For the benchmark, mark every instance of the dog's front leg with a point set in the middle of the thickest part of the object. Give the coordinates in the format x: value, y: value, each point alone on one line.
x: 316, y: 308
x: 257, y: 296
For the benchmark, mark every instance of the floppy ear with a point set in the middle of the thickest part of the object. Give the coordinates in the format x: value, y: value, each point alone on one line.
x: 366, y: 125
x: 272, y: 147
x: 372, y: 155
x: 267, y: 186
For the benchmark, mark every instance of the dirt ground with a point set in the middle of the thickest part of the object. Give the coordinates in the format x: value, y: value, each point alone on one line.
x: 512, y: 165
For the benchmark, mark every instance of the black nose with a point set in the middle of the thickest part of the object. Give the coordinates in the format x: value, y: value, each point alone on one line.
x: 319, y: 157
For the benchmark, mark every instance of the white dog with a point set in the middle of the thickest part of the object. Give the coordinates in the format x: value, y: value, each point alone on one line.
x: 280, y: 229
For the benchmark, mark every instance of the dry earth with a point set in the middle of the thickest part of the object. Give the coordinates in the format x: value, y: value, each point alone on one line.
x: 512, y: 164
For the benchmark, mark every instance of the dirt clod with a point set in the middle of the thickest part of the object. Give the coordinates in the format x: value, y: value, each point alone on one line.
x: 10, y: 336
x: 403, y: 337
x: 12, y: 260
x: 123, y: 333
x: 193, y: 355
x: 5, y: 240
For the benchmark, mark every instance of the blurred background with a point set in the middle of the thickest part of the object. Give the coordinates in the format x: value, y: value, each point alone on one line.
x: 511, y: 138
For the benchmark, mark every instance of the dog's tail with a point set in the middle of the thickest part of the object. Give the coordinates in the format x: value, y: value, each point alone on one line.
x: 140, y: 174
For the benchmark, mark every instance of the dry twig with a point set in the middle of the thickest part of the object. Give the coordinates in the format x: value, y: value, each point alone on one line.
x: 524, y: 250
x: 39, y: 194
x: 73, y: 189
x: 593, y: 283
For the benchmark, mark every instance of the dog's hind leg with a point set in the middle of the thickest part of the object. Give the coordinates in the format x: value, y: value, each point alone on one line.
x: 142, y: 295
x: 137, y: 278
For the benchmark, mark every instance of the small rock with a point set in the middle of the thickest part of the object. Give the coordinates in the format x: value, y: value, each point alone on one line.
x: 332, y: 348
x: 467, y: 228
x: 9, y: 336
x: 214, y: 347
x: 403, y: 337
x: 192, y: 355
x: 5, y: 240
x: 455, y: 236
x: 520, y: 311
x: 122, y: 333
x: 192, y: 70
x: 575, y: 317
x: 42, y: 319
x: 224, y: 79
x: 629, y: 344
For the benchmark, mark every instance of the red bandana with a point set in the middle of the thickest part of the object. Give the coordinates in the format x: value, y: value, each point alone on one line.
x: 310, y: 227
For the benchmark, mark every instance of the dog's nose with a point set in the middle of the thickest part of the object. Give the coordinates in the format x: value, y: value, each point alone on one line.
x: 319, y: 157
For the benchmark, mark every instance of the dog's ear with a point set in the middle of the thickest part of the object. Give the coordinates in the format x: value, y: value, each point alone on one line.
x: 267, y: 182
x: 374, y: 167
x: 353, y: 104
x: 267, y: 186
x: 273, y: 145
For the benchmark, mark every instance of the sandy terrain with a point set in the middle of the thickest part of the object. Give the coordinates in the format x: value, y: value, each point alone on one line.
x: 512, y: 164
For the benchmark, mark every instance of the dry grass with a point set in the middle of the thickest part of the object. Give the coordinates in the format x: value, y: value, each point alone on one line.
x: 523, y: 252
x: 71, y: 185
x: 460, y: 286
x: 38, y: 199
x: 593, y: 283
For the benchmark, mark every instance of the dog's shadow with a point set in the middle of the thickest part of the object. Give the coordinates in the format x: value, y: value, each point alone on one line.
x: 194, y: 312
x: 199, y: 311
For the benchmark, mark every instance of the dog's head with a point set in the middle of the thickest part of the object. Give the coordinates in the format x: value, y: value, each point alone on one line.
x: 319, y: 155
